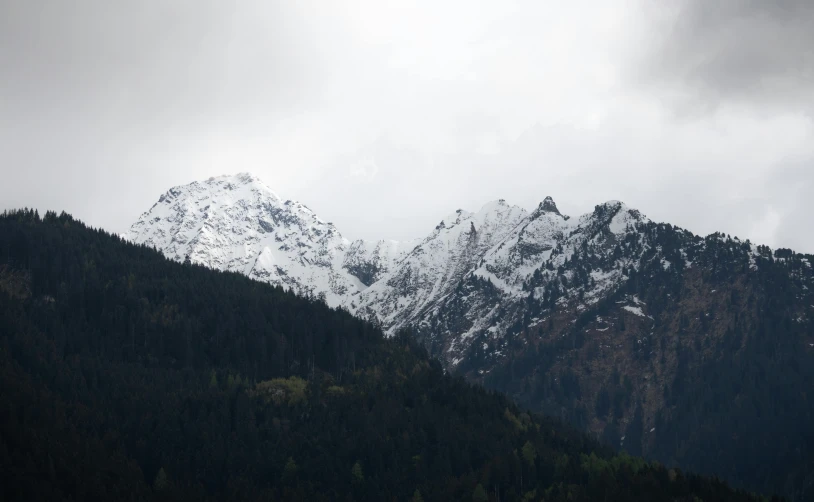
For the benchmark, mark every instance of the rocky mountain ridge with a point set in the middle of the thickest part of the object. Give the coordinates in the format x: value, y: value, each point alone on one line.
x: 488, y: 274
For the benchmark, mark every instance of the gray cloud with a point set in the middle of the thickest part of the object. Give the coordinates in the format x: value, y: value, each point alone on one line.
x: 154, y: 61
x: 790, y: 189
x: 102, y: 102
x: 386, y: 116
x: 733, y: 51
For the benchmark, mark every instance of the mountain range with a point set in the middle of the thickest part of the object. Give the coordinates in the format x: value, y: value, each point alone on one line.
x: 642, y: 333
x: 128, y: 376
x: 237, y: 223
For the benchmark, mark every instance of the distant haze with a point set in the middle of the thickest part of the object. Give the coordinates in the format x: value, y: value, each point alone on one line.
x: 385, y: 116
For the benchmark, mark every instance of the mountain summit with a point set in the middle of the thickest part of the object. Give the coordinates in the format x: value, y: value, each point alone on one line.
x: 238, y: 223
x: 549, y: 205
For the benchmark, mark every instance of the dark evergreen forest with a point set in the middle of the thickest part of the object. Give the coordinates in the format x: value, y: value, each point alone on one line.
x: 124, y: 376
x: 727, y: 352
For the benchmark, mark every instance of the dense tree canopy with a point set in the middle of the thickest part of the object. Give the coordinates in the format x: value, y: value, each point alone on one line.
x: 717, y: 377
x: 126, y: 376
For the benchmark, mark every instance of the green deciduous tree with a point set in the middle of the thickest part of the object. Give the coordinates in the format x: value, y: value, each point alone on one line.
x: 529, y: 453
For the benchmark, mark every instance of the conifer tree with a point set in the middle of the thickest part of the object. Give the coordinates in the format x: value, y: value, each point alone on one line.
x: 290, y: 469
x: 479, y: 495
x: 160, y: 483
x: 356, y: 472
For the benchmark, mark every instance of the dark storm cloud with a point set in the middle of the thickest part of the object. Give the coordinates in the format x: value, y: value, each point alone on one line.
x: 752, y: 52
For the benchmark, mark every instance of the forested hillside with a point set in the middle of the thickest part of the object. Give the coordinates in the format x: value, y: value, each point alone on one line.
x: 702, y: 359
x: 126, y: 376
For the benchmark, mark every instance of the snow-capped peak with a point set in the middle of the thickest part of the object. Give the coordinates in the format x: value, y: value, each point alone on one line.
x: 454, y: 219
x: 434, y: 267
x: 238, y: 223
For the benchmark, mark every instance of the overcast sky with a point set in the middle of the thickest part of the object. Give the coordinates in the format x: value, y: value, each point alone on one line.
x: 385, y: 116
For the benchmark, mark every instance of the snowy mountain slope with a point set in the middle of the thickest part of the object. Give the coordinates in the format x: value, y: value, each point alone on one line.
x: 546, y: 259
x: 515, y: 259
x: 237, y: 223
x: 435, y: 266
x: 369, y: 261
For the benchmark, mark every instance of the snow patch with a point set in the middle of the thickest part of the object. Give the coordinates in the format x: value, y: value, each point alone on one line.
x: 634, y: 310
